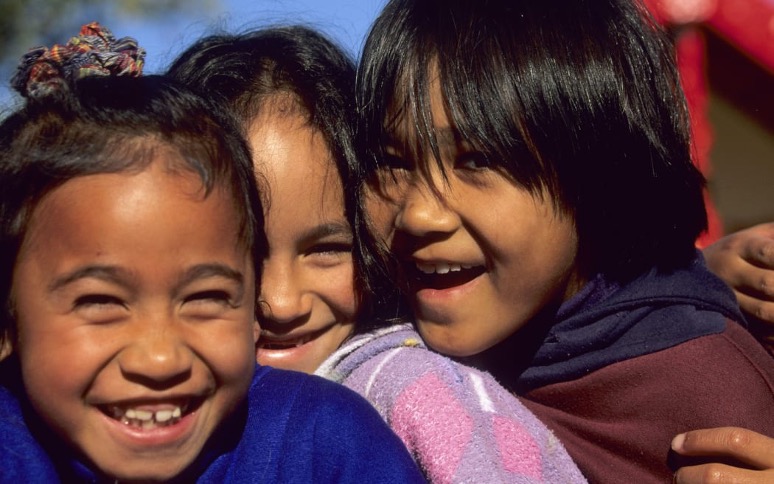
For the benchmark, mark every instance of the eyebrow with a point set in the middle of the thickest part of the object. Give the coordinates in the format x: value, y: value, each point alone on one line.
x: 123, y: 277
x: 205, y: 271
x: 106, y: 273
x: 447, y: 136
x: 326, y: 230
x: 444, y: 136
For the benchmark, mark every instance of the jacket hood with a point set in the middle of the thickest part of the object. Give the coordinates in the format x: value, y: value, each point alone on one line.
x: 606, y: 323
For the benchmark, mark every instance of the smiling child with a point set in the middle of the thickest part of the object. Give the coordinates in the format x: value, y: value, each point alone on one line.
x: 531, y: 182
x: 131, y: 224
x: 293, y: 94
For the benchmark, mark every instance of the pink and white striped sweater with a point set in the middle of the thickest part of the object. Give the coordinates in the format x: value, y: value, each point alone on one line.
x: 458, y: 422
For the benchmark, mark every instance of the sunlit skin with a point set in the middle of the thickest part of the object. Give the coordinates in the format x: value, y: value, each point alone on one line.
x: 506, y: 254
x: 307, y: 296
x: 131, y: 291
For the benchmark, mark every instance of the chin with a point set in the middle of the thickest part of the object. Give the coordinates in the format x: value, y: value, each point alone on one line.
x: 147, y: 473
x: 443, y: 340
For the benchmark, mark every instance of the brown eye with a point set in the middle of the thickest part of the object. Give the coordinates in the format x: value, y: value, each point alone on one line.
x: 473, y: 160
x: 395, y: 162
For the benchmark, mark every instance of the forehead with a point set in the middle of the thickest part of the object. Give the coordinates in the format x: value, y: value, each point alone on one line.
x: 418, y: 105
x: 421, y: 129
x: 151, y: 202
x: 295, y: 158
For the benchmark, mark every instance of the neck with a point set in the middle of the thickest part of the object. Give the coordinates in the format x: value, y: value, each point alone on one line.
x: 507, y: 360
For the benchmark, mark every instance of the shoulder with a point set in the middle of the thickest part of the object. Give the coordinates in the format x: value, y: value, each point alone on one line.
x: 455, y: 420
x: 719, y: 379
x: 646, y: 316
x: 715, y: 380
x: 376, y: 344
x: 315, y: 428
x: 394, y: 363
x: 315, y: 402
x: 731, y: 359
x: 22, y: 459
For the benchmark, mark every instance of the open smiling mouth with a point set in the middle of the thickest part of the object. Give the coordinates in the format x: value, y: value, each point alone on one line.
x: 442, y: 276
x: 267, y: 343
x: 142, y: 417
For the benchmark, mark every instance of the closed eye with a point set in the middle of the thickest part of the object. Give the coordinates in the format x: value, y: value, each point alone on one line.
x: 330, y: 255
x: 100, y: 308
x: 215, y: 295
x: 208, y: 305
x: 97, y: 300
x: 330, y: 248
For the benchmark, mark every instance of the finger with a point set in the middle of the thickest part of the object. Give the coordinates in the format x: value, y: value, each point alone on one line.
x: 752, y: 281
x: 764, y: 229
x: 759, y: 251
x: 721, y: 474
x: 744, y: 445
x: 726, y: 259
x: 760, y: 309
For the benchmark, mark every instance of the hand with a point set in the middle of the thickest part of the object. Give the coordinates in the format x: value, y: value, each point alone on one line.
x: 745, y: 446
x: 745, y: 260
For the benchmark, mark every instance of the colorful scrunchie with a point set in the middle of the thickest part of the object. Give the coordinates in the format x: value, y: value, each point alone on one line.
x: 95, y: 52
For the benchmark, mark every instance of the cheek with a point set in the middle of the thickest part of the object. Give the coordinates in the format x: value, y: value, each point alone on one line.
x: 56, y: 381
x: 45, y: 344
x: 230, y: 351
x: 380, y: 214
x: 336, y: 288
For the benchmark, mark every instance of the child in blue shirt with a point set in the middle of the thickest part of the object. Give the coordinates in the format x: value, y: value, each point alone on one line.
x: 130, y: 223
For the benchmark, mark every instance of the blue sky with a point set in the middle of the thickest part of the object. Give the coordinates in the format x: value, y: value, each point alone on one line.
x: 347, y: 21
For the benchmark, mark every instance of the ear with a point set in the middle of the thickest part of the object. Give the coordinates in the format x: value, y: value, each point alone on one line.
x: 7, y: 331
x: 6, y: 345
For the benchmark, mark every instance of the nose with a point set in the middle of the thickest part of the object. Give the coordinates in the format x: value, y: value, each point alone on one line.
x: 283, y: 297
x: 426, y: 211
x: 158, y: 355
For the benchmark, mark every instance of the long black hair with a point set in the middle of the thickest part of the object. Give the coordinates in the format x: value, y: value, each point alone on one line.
x: 243, y: 71
x: 579, y: 99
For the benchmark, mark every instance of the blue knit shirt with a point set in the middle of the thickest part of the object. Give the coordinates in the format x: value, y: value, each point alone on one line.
x: 292, y: 428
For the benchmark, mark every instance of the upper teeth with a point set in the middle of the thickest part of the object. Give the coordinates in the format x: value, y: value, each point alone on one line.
x: 440, y: 267
x: 267, y: 343
x: 142, y: 417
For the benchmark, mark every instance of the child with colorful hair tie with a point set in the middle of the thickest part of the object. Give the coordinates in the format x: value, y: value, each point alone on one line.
x: 130, y: 224
x: 94, y: 52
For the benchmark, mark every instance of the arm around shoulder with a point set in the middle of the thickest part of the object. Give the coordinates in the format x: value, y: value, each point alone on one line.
x: 745, y: 261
